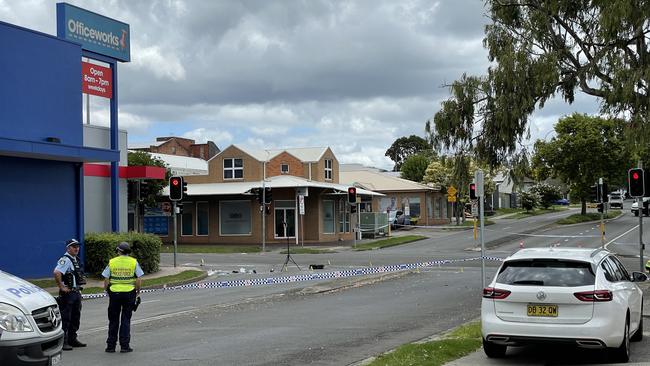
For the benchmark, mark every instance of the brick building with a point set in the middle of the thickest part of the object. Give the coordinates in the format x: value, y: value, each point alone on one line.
x: 179, y: 146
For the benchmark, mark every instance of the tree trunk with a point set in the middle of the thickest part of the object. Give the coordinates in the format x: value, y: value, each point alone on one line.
x: 583, y: 205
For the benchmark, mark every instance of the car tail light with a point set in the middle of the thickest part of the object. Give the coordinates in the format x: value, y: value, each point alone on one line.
x: 594, y: 296
x: 495, y: 293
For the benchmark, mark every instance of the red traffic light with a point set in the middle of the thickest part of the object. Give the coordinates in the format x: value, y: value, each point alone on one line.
x: 176, y: 188
x: 635, y: 176
x: 472, y: 191
x: 352, y: 195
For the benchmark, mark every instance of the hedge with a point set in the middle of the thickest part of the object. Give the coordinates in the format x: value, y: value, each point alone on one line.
x: 100, y: 248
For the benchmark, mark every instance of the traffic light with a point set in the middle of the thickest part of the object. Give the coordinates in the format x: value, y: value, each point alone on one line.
x: 352, y: 195
x: 144, y: 189
x: 593, y: 193
x: 184, y: 186
x: 604, y: 191
x: 176, y: 188
x: 353, y: 209
x: 635, y: 178
x: 268, y: 195
x: 472, y: 191
x: 258, y: 195
x: 267, y: 209
x: 600, y: 207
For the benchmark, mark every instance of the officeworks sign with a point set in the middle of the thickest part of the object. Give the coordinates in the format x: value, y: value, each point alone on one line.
x: 95, y: 33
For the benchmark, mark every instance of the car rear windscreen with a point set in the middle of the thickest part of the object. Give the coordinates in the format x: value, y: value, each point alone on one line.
x: 615, y: 196
x: 546, y: 272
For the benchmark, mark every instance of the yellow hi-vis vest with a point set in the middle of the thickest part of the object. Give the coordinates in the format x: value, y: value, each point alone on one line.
x: 122, y: 277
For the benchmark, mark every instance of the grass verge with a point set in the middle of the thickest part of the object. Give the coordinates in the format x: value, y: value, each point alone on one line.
x: 470, y: 223
x: 390, y: 242
x: 207, y: 248
x: 309, y: 251
x: 525, y: 214
x: 461, y: 342
x: 506, y: 211
x: 590, y: 216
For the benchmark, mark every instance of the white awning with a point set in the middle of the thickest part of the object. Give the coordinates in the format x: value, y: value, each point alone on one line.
x: 282, y: 181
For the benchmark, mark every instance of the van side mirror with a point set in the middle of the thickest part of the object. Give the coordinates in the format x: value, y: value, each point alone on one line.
x: 639, y: 277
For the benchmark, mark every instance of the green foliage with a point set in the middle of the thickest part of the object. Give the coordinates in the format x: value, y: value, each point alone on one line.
x: 414, y: 168
x: 540, y: 49
x: 528, y: 200
x: 390, y: 242
x: 462, y: 341
x: 154, y: 186
x: 404, y: 147
x: 547, y: 194
x: 585, y: 148
x: 100, y: 248
x: 591, y: 216
x: 437, y: 173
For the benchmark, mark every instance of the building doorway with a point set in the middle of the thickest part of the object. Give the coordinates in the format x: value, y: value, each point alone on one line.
x: 288, y: 216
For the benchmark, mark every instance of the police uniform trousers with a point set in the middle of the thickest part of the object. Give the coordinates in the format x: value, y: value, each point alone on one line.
x: 120, y: 309
x: 70, y: 307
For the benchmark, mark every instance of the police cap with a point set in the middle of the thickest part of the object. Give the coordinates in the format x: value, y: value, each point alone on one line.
x: 123, y: 247
x: 71, y: 242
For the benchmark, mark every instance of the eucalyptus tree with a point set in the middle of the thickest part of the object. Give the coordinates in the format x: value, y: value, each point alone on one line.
x: 540, y: 49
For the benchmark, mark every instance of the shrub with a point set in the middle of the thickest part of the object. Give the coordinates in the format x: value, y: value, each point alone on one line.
x: 547, y: 194
x: 100, y: 248
x: 529, y: 200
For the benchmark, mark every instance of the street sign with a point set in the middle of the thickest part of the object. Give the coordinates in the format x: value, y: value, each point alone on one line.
x: 301, y: 204
x: 166, y: 208
x: 478, y: 179
x: 475, y: 208
x: 451, y: 190
x: 451, y: 198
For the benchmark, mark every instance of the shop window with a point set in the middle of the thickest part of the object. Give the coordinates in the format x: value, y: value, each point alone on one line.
x: 233, y: 168
x: 235, y: 218
x: 328, y: 217
x: 187, y: 226
x: 202, y: 218
x: 344, y: 217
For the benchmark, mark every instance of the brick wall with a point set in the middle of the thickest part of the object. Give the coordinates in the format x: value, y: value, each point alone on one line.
x: 295, y: 165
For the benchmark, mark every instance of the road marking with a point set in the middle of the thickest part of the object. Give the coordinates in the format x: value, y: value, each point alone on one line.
x: 625, y: 233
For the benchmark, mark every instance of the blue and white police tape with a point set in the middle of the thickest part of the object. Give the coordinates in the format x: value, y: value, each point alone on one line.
x: 307, y: 276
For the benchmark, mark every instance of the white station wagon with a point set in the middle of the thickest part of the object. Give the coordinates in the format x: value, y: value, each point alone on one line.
x: 578, y: 296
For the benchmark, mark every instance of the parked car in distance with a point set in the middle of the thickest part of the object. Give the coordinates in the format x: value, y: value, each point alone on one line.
x: 635, y: 207
x: 578, y: 296
x: 561, y: 202
x: 396, y: 219
x: 616, y: 200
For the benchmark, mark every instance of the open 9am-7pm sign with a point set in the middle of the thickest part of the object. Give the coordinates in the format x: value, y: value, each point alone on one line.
x: 96, y: 80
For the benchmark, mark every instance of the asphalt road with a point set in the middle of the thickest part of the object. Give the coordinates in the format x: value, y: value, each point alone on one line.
x: 342, y: 321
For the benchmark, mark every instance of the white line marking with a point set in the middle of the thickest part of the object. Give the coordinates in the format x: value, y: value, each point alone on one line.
x: 625, y: 233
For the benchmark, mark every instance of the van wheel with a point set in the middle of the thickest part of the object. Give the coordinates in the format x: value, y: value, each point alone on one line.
x: 493, y: 350
x: 622, y: 353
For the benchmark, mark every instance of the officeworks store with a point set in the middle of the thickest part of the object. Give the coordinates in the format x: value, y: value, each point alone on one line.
x: 44, y: 158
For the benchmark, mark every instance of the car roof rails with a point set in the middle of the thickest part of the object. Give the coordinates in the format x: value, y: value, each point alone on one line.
x: 597, y: 251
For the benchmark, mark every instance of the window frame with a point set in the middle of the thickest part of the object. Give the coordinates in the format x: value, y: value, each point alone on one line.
x: 233, y: 168
x: 333, y: 219
x: 329, y: 169
x: 250, y: 233
x: 282, y: 171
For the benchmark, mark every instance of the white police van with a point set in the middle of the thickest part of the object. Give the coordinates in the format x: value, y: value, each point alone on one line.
x: 30, y: 324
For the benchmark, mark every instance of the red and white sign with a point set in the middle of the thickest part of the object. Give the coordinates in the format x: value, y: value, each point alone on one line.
x: 96, y: 80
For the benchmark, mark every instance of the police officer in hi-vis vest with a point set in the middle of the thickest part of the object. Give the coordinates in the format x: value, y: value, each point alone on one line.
x: 69, y: 276
x: 122, y: 283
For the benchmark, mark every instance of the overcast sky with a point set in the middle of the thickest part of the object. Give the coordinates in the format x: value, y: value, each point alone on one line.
x: 354, y: 75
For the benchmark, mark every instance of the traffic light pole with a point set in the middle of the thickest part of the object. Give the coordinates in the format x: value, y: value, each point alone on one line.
x: 262, y: 211
x: 639, y: 201
x: 175, y: 231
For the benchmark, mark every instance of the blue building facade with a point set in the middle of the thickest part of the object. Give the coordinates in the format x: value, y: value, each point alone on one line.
x: 41, y: 150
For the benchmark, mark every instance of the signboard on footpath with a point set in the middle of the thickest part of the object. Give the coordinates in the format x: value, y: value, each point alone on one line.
x: 96, y: 80
x: 301, y: 204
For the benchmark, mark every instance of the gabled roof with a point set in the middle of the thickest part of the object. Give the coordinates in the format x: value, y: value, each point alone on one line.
x: 377, y: 181
x: 145, y: 145
x: 304, y: 154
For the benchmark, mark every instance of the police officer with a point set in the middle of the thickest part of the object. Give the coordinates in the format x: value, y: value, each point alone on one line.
x: 122, y: 282
x: 69, y: 276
